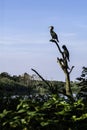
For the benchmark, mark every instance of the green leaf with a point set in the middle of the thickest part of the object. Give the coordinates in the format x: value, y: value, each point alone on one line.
x: 23, y: 121
x: 22, y: 111
x: 44, y: 123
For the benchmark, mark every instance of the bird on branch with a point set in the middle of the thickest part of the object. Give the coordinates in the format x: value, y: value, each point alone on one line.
x: 65, y: 52
x: 53, y: 34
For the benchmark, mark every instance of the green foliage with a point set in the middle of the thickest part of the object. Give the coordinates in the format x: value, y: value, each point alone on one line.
x: 26, y: 84
x: 82, y: 85
x: 54, y: 114
x: 10, y: 87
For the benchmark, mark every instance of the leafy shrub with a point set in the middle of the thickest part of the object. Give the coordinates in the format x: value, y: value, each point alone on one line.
x: 51, y: 115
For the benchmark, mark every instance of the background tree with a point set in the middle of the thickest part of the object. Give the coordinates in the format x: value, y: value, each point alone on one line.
x: 82, y: 84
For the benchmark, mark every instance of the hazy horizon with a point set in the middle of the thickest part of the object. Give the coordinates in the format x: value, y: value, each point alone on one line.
x: 24, y: 36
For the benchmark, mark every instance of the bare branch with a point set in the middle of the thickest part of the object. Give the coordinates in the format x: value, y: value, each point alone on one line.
x: 71, y: 69
x: 56, y: 45
x: 52, y: 86
x: 60, y: 61
x: 41, y: 77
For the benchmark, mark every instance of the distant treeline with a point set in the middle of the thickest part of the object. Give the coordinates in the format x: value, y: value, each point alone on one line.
x: 26, y: 84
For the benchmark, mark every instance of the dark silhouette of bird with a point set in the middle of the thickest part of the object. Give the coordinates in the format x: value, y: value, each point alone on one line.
x: 65, y: 52
x: 53, y: 34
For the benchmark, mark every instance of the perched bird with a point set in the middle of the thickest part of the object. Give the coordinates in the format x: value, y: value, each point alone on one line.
x: 53, y: 34
x: 66, y: 52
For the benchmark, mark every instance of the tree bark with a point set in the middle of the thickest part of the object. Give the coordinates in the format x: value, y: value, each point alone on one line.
x: 50, y: 85
x: 64, y: 66
x: 67, y: 85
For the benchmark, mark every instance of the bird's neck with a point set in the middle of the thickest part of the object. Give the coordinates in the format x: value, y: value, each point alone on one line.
x: 51, y: 30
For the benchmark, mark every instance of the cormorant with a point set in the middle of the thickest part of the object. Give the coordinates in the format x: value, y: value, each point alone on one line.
x: 53, y: 34
x: 66, y: 52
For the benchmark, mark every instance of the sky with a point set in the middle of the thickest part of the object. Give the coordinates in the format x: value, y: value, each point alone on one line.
x: 24, y: 36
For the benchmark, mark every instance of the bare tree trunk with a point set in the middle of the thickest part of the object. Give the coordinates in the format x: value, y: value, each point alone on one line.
x: 49, y: 85
x: 64, y: 66
x: 67, y: 85
x: 63, y: 62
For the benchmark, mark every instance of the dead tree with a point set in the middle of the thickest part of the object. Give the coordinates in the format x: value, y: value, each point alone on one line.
x: 50, y: 85
x: 63, y: 62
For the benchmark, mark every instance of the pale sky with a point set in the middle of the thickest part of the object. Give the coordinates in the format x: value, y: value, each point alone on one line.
x: 24, y: 36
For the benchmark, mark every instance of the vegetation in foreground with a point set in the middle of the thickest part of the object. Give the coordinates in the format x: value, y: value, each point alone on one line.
x: 53, y: 113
